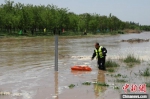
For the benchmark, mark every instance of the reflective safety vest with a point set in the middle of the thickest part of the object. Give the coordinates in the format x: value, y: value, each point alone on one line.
x: 99, y: 51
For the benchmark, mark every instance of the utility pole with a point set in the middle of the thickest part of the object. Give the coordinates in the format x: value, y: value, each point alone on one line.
x: 56, y: 49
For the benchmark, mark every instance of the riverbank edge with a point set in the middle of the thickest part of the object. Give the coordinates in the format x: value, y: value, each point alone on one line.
x: 70, y: 36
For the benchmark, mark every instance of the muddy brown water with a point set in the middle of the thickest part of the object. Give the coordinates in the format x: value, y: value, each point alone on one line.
x: 27, y: 67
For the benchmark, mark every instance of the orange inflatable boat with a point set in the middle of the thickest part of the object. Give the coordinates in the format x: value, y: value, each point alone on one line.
x: 81, y: 68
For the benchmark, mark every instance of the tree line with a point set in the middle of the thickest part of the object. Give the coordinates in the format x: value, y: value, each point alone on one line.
x: 35, y: 18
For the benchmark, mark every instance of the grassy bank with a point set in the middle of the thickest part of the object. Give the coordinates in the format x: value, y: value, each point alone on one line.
x: 67, y: 33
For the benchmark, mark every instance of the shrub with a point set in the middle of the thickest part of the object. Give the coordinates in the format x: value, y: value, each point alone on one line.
x: 110, y: 70
x: 148, y: 84
x: 132, y: 59
x: 145, y: 73
x: 110, y: 63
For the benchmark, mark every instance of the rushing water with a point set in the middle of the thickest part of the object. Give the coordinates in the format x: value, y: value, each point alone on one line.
x: 27, y: 66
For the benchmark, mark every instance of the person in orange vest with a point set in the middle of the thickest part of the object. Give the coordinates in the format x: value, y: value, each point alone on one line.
x: 100, y: 53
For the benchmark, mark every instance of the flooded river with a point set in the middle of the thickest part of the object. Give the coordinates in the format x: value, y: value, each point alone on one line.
x: 27, y: 66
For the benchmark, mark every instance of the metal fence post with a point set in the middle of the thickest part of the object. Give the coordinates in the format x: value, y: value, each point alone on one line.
x: 56, y: 63
x: 56, y: 52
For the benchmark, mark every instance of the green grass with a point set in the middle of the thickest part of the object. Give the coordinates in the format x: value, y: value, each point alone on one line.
x: 148, y: 84
x: 130, y: 64
x: 121, y: 80
x: 110, y: 70
x: 118, y: 75
x: 116, y: 87
x: 110, y: 63
x: 145, y: 73
x: 124, y: 76
x: 71, y: 86
x: 101, y: 84
x: 89, y: 83
x: 86, y: 83
x: 132, y: 59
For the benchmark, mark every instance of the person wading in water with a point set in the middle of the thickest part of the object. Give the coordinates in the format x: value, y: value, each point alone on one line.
x: 100, y: 53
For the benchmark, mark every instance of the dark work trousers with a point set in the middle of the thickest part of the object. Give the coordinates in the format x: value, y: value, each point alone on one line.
x: 101, y: 63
